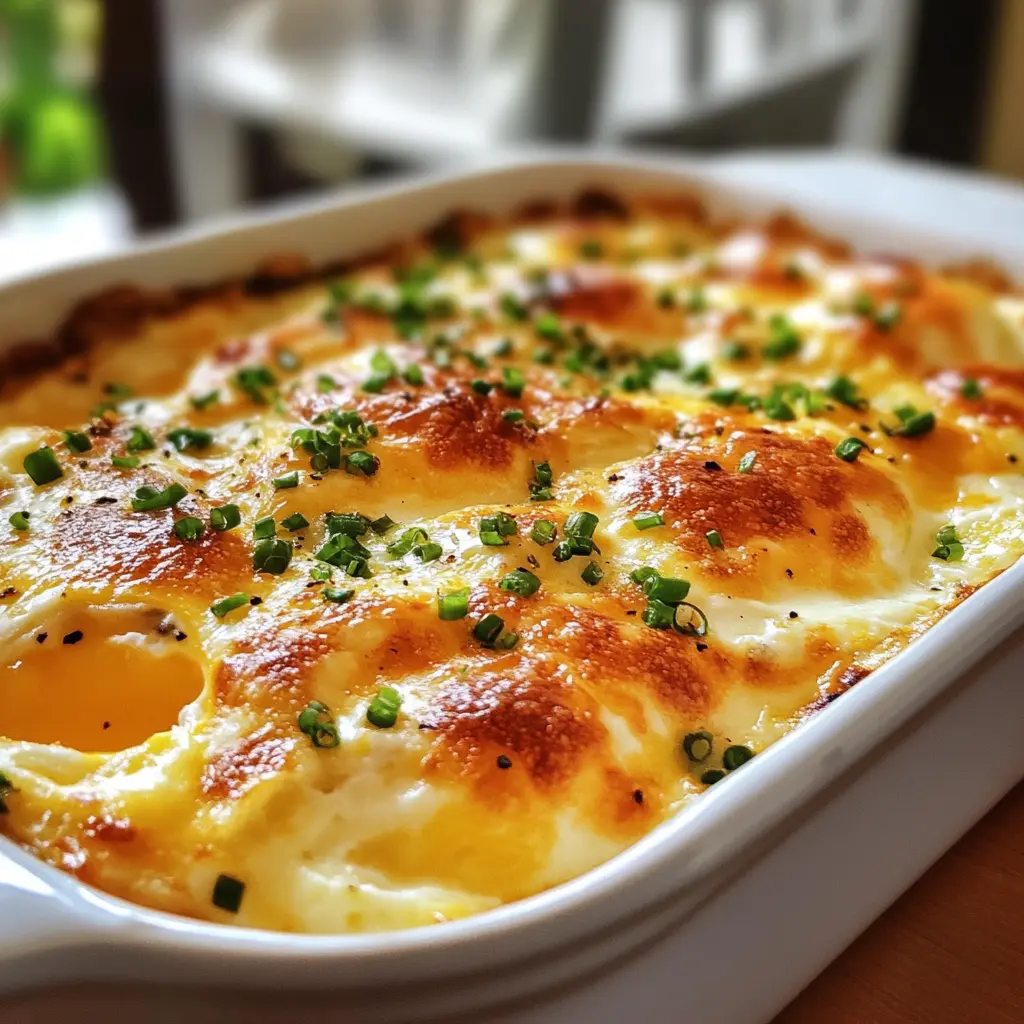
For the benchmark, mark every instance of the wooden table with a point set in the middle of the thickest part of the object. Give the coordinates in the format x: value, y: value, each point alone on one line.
x: 950, y: 950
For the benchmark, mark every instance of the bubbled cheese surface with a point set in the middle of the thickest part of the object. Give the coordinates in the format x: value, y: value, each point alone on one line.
x: 149, y: 746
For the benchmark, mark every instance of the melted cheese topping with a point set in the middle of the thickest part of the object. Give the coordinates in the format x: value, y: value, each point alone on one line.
x: 150, y: 746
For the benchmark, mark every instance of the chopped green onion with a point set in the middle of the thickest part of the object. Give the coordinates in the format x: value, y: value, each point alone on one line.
x: 148, y: 498
x: 429, y: 552
x: 254, y: 380
x: 659, y: 615
x: 283, y: 483
x: 843, y: 390
x: 783, y: 340
x: 512, y: 381
x: 950, y: 548
x: 263, y: 528
x: 413, y: 374
x: 736, y: 756
x: 697, y: 301
x: 409, y: 539
x: 190, y: 528
x: 746, y: 464
x: 714, y: 539
x: 382, y: 525
x: 668, y: 589
x: 699, y: 374
x: 641, y: 574
x: 453, y: 606
x: 316, y: 722
x: 512, y: 307
x: 507, y: 642
x: 481, y: 387
x: 362, y: 463
x: 591, y: 249
x: 548, y: 327
x: 228, y: 893
x: 117, y: 390
x: 272, y: 556
x: 724, y: 396
x: 19, y: 520
x: 849, y: 449
x: 140, y: 440
x: 543, y: 531
x: 735, y: 351
x: 228, y: 604
x: 888, y: 316
x: 352, y: 524
x: 42, y: 466
x: 125, y: 461
x: 189, y: 437
x: 666, y: 298
x: 494, y: 529
x: 912, y: 423
x: 225, y: 517
x: 777, y: 409
x: 488, y: 628
x: 513, y: 415
x: 592, y: 574
x: 711, y: 776
x: 76, y: 440
x: 521, y: 582
x: 696, y: 624
x: 647, y: 520
x: 337, y: 595
x: 296, y: 521
x: 581, y: 525
x: 383, y: 709
x: 970, y: 389
x: 200, y: 402
x: 698, y: 745
x: 6, y: 788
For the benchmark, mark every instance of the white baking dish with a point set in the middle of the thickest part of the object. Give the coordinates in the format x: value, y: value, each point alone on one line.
x: 52, y: 929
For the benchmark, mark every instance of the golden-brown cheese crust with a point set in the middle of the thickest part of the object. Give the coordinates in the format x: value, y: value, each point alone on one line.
x: 149, y: 745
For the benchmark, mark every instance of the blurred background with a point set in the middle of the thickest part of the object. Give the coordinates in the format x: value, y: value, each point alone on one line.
x: 119, y: 117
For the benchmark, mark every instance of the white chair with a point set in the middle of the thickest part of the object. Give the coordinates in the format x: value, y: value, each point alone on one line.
x: 425, y: 81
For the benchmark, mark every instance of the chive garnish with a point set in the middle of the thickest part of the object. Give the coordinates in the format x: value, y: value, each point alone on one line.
x: 521, y: 582
x: 283, y: 483
x: 548, y: 327
x: 228, y: 604
x: 225, y: 517
x: 888, y: 316
x: 543, y: 531
x: 736, y: 756
x: 200, y: 402
x: 140, y: 440
x: 42, y: 466
x: 316, y: 722
x: 19, y: 520
x: 125, y: 461
x: 714, y: 539
x: 76, y: 441
x: 713, y: 775
x: 507, y: 641
x: 591, y: 249
x: 512, y: 307
x: 383, y: 709
x: 698, y: 374
x: 336, y: 595
x: 148, y: 498
x: 352, y: 524
x: 912, y: 423
x: 735, y: 351
x: 263, y: 528
x: 228, y: 893
x: 950, y: 548
x: 843, y: 390
x: 849, y: 449
x: 658, y: 615
x: 970, y: 389
x: 540, y: 485
x: 494, y: 529
x: 410, y: 538
x: 184, y: 438
x: 428, y: 552
x: 453, y: 606
x: 746, y: 464
x: 189, y: 529
x: 783, y: 340
x: 592, y: 574
x: 382, y: 525
x: 118, y: 390
x: 413, y: 374
x: 698, y: 745
x: 272, y: 555
x: 647, y: 520
x: 362, y: 464
x: 481, y: 387
x: 512, y: 381
x: 513, y: 415
x: 254, y: 381
x: 296, y: 521
x: 489, y: 628
x: 669, y: 589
